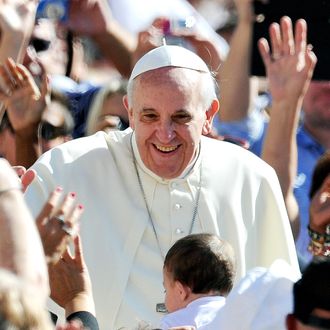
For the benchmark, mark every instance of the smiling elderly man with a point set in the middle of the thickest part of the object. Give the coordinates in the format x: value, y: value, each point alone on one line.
x: 160, y: 180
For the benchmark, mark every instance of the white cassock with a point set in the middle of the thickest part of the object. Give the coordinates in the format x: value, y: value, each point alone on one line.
x: 240, y: 201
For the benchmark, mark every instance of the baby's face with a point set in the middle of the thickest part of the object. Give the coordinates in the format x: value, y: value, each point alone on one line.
x: 173, y: 296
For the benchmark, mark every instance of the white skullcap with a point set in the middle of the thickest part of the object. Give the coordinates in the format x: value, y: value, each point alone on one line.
x: 168, y: 55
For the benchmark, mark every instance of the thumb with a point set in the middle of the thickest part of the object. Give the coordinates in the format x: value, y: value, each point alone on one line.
x: 27, y: 178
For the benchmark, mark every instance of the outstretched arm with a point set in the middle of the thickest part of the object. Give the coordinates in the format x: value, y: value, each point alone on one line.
x: 234, y: 75
x: 93, y: 18
x: 289, y: 66
x: 16, y: 24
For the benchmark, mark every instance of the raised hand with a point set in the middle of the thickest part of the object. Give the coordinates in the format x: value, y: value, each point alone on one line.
x: 16, y: 24
x: 96, y: 16
x: 70, y: 283
x: 21, y: 96
x: 290, y: 62
x: 58, y: 224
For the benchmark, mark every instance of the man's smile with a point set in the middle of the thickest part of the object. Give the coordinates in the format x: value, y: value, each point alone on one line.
x: 166, y: 149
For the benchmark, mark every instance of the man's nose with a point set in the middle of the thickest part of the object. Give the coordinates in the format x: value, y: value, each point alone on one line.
x: 165, y: 132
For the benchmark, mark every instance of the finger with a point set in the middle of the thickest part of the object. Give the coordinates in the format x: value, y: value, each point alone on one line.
x: 6, y: 81
x: 78, y: 251
x: 48, y: 210
x: 264, y: 51
x: 67, y: 255
x: 300, y: 36
x: 66, y: 207
x: 45, y: 86
x: 27, y: 178
x: 275, y: 40
x: 310, y: 60
x: 27, y: 78
x: 72, y: 219
x: 287, y: 36
x: 20, y: 170
x: 17, y: 79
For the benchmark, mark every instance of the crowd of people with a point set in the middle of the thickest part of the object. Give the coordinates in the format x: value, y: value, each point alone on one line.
x: 145, y: 147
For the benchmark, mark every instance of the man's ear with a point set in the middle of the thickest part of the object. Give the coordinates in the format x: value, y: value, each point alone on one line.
x: 129, y: 111
x: 210, y: 113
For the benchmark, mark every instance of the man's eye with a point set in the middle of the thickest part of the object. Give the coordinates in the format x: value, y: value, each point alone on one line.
x: 149, y: 116
x: 182, y: 118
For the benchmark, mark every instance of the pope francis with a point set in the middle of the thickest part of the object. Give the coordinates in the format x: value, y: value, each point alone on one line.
x: 161, y: 179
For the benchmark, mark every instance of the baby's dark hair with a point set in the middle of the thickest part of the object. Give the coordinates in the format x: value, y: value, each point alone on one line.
x: 203, y: 262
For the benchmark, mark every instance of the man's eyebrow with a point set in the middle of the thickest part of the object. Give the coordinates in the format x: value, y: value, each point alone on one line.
x: 147, y: 109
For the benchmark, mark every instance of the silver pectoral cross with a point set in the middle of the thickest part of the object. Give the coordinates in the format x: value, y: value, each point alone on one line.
x: 161, y: 308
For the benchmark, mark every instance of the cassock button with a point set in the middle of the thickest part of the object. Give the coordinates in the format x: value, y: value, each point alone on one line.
x: 177, y: 206
x: 179, y: 231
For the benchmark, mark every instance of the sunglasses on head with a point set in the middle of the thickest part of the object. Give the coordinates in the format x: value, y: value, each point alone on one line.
x: 50, y: 132
x: 39, y: 45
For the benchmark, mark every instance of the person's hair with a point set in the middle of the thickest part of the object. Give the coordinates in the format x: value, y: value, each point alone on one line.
x: 6, y: 124
x: 63, y: 100
x: 313, y: 291
x: 208, y: 88
x: 321, y: 171
x: 203, y: 262
x: 108, y: 90
x: 20, y: 307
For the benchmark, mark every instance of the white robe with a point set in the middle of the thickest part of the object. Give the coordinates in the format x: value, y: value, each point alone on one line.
x: 240, y: 201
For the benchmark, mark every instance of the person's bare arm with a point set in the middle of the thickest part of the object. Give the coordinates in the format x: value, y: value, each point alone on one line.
x: 234, y: 74
x: 94, y: 19
x: 289, y: 68
x: 16, y: 24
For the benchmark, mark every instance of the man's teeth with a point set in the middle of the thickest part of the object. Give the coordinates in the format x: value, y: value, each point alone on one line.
x: 166, y: 149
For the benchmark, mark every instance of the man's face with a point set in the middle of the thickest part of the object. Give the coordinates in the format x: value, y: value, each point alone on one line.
x: 317, y: 105
x: 169, y: 117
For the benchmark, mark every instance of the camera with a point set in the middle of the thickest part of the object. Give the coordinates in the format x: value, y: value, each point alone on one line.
x: 53, y: 9
x: 174, y: 31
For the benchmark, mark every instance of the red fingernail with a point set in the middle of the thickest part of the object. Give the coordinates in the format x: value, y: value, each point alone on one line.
x: 73, y: 194
x: 59, y: 189
x: 80, y: 207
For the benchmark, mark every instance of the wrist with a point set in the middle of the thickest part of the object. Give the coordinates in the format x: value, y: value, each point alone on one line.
x: 81, y: 302
x: 29, y: 132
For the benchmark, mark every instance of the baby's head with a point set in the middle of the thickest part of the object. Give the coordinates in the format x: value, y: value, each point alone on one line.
x: 197, y: 265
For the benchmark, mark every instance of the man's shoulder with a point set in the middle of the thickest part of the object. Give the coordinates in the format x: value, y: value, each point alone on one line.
x: 90, y: 146
x: 226, y: 153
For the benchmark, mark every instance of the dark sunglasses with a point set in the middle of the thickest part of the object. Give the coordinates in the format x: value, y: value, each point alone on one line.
x: 39, y: 45
x: 50, y: 132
